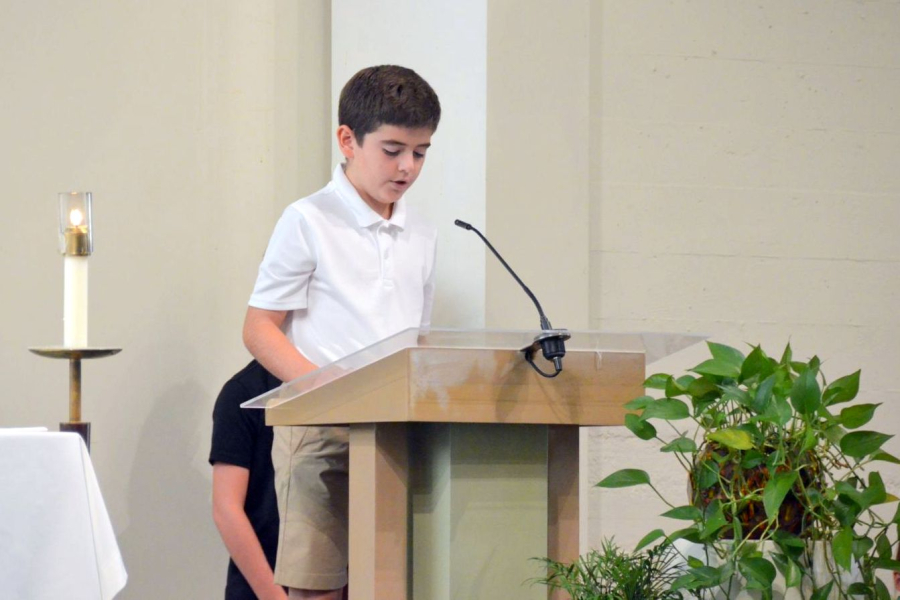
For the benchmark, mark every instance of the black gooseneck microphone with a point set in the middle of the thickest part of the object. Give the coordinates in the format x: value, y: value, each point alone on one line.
x: 552, y: 342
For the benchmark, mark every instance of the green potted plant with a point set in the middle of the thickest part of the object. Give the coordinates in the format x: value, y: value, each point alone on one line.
x: 610, y: 573
x: 779, y: 468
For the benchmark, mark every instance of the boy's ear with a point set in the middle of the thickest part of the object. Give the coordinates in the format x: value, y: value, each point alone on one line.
x: 346, y: 141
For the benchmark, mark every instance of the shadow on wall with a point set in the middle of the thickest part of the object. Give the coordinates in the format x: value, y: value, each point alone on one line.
x: 171, y: 547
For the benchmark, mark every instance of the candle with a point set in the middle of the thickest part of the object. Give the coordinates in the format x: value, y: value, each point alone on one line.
x: 76, y: 245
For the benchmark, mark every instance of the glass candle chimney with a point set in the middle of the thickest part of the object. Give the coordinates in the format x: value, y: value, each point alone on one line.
x: 75, y: 237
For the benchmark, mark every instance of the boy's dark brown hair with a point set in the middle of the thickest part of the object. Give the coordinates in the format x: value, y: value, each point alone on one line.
x: 387, y: 95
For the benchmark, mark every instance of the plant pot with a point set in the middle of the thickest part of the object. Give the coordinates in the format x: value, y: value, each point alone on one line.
x: 816, y: 555
x: 713, y: 461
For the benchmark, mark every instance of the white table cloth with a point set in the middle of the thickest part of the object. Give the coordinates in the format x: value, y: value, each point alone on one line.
x: 56, y: 539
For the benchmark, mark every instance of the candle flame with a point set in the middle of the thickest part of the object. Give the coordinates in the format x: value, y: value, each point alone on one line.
x: 76, y: 217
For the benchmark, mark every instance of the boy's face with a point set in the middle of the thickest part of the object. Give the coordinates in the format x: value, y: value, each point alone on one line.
x: 386, y: 164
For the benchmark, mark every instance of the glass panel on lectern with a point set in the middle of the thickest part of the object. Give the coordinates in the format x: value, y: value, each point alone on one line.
x: 654, y: 345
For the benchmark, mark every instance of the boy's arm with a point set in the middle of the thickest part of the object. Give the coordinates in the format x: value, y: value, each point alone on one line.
x: 229, y: 493
x: 267, y: 343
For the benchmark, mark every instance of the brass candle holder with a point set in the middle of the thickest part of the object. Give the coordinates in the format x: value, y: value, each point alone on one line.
x: 75, y: 355
x: 76, y: 244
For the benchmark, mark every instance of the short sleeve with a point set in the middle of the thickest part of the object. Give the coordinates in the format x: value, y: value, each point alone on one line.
x: 283, y: 279
x: 234, y: 434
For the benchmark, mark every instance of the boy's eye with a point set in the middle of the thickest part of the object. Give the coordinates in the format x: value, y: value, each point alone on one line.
x: 391, y: 152
x: 419, y: 154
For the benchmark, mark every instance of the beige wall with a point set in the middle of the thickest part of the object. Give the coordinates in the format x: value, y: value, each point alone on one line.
x: 537, y: 161
x: 194, y: 124
x: 744, y: 184
x: 445, y: 43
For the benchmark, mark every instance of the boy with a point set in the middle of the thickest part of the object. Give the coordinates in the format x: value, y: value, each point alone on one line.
x: 244, y: 506
x: 346, y: 267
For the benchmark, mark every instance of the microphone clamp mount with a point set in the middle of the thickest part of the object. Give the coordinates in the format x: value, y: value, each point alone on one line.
x: 551, y: 342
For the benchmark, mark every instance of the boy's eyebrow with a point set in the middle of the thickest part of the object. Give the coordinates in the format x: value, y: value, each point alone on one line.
x: 398, y: 143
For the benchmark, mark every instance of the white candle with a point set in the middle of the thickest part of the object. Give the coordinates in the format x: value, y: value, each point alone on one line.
x: 75, y: 290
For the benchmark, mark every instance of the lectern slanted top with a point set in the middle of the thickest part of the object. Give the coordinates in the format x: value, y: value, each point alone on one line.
x: 474, y: 376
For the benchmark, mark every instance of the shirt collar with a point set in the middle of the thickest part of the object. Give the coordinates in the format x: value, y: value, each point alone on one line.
x: 362, y: 212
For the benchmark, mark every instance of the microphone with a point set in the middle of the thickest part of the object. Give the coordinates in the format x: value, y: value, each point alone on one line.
x: 552, y: 342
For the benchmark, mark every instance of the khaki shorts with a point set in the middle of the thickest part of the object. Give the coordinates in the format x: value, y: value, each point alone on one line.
x: 311, y: 484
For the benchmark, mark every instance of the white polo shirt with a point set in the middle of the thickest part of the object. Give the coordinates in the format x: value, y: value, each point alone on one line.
x: 349, y: 277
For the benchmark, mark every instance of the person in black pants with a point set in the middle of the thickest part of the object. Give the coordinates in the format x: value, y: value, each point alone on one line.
x: 245, y: 509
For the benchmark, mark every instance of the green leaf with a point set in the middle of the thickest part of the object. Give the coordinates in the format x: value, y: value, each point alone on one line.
x: 685, y: 445
x: 856, y: 416
x: 815, y: 363
x: 859, y: 444
x: 760, y: 573
x: 789, y: 570
x: 842, y: 548
x: 865, y: 590
x: 809, y: 440
x: 715, y: 520
x: 888, y: 563
x: 737, y: 531
x: 685, y: 381
x: 736, y: 394
x: 849, y: 492
x: 726, y: 353
x: 791, y: 545
x: 799, y: 367
x: 845, y: 511
x: 657, y: 381
x: 861, y: 546
x: 787, y: 355
x: 775, y: 491
x: 806, y: 397
x: 707, y: 576
x: 640, y: 428
x: 708, y: 475
x: 688, y: 533
x: 732, y: 438
x: 858, y: 588
x: 780, y: 410
x: 649, y: 539
x: 704, y: 408
x: 823, y: 592
x: 625, y: 478
x: 841, y: 390
x: 684, y: 513
x: 876, y: 492
x: 718, y: 368
x: 668, y: 409
x: 886, y: 457
x: 756, y: 364
x: 788, y: 540
x: 685, y: 582
x: 674, y: 387
x: 752, y: 458
x: 763, y: 396
x: 883, y: 545
x: 703, y: 387
x: 639, y: 403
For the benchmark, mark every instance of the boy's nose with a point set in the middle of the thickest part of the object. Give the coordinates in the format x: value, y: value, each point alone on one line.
x: 406, y: 163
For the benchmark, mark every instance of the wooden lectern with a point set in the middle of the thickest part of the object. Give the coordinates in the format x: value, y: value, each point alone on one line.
x: 464, y: 461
